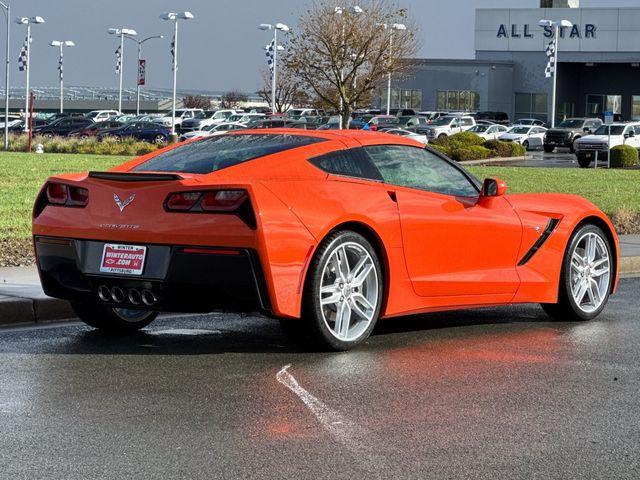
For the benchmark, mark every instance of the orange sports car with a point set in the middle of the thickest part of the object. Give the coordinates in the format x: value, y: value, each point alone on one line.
x: 326, y: 230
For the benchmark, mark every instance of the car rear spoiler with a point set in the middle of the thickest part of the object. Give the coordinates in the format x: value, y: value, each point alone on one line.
x: 135, y: 177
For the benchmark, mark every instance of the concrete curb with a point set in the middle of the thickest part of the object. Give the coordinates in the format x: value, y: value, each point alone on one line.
x: 28, y: 305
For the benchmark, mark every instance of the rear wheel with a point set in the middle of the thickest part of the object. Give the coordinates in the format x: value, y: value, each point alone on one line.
x: 585, y: 280
x: 583, y: 162
x: 110, y: 319
x: 159, y: 139
x: 343, y: 293
x: 549, y: 148
x: 574, y: 144
x: 48, y: 135
x: 525, y: 144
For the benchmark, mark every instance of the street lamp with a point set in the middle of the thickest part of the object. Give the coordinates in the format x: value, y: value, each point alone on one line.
x: 61, y: 44
x: 175, y: 17
x: 121, y: 32
x: 283, y: 28
x: 557, y: 25
x: 355, y: 9
x: 7, y: 14
x: 27, y: 21
x: 140, y: 42
x: 399, y: 27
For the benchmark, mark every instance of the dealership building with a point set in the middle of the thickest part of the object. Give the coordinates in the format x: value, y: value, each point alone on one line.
x: 598, y: 66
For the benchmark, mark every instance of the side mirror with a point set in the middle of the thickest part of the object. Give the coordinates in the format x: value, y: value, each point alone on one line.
x: 631, y: 133
x: 493, y: 187
x: 586, y: 130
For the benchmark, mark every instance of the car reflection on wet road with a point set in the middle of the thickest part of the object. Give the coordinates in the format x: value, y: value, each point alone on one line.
x: 491, y: 393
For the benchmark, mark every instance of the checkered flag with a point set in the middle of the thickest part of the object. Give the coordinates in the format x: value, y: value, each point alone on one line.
x: 551, y: 63
x: 22, y: 59
x: 173, y: 49
x: 270, y: 49
x: 118, y: 60
x: 60, y: 66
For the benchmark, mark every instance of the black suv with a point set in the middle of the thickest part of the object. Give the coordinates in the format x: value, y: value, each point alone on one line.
x: 568, y: 131
x: 495, y: 117
x: 62, y: 126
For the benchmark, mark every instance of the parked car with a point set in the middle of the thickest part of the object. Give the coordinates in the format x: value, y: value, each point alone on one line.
x: 489, y: 131
x: 62, y: 126
x: 147, y: 131
x: 432, y: 115
x: 209, y: 130
x: 275, y: 122
x: 296, y: 113
x: 206, y: 118
x: 411, y: 122
x: 496, y: 117
x: 528, y: 121
x: 402, y: 112
x: 10, y: 121
x: 446, y: 126
x: 182, y: 114
x: 406, y: 134
x: 526, y: 135
x: 249, y: 117
x: 269, y: 222
x: 99, y: 115
x: 567, y: 132
x: 93, y: 129
x: 383, y: 121
x: 357, y: 123
x: 598, y: 143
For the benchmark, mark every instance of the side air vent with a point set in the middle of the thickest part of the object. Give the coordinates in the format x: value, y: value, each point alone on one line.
x: 551, y: 226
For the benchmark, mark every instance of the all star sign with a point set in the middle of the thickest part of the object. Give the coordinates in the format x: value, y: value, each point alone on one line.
x: 527, y: 31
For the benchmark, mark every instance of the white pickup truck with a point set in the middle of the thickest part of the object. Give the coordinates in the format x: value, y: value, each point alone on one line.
x: 446, y: 126
x: 621, y: 134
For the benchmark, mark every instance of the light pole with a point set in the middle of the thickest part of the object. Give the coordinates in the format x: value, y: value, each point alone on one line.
x: 557, y: 25
x: 28, y: 21
x: 339, y: 11
x: 399, y: 27
x: 175, y: 17
x: 121, y: 32
x: 7, y: 15
x: 61, y: 44
x: 140, y: 42
x: 283, y: 28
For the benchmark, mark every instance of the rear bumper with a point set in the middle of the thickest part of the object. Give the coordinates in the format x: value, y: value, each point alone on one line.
x: 181, y: 278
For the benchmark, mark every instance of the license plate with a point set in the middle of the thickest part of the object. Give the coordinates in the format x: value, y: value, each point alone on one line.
x: 123, y: 259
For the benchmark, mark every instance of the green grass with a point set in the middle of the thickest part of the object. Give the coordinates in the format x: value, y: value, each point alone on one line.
x: 611, y: 190
x: 22, y: 175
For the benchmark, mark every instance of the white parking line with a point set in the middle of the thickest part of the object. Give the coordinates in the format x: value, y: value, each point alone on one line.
x: 349, y: 434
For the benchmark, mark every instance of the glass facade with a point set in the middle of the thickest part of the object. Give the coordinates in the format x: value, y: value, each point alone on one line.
x: 598, y: 104
x: 458, y: 100
x: 402, y: 98
x: 531, y: 105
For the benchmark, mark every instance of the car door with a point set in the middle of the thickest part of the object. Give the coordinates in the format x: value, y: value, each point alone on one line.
x: 455, y: 242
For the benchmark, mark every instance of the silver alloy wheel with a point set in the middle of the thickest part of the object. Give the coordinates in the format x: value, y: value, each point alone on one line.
x: 348, y: 291
x: 131, y: 314
x: 590, y: 274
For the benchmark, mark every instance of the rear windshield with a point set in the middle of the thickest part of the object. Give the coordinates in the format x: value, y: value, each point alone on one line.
x: 215, y: 153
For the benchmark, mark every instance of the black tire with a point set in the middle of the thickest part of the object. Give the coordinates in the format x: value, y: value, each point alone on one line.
x: 549, y: 148
x: 572, y: 147
x: 525, y: 144
x: 442, y: 135
x: 113, y: 320
x: 84, y: 136
x: 48, y: 135
x: 583, y: 162
x: 314, y: 324
x: 159, y: 139
x: 567, y: 309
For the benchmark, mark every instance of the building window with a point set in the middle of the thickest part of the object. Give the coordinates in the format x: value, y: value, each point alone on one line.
x: 531, y: 105
x: 458, y: 100
x: 402, y: 98
x: 598, y: 104
x: 635, y: 108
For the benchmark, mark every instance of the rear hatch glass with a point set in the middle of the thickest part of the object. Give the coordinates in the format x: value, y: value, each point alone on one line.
x: 215, y: 153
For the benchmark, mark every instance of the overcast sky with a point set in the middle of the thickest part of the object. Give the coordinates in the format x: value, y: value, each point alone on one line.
x: 221, y: 49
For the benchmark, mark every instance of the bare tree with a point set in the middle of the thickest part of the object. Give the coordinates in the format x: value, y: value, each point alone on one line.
x: 233, y: 99
x: 288, y: 91
x: 343, y: 54
x: 196, y: 101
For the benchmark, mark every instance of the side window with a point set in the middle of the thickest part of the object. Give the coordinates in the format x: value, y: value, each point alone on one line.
x: 418, y: 168
x: 351, y: 163
x: 637, y: 129
x: 467, y: 122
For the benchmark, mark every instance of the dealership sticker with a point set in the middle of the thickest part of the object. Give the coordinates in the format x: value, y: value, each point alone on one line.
x: 123, y: 259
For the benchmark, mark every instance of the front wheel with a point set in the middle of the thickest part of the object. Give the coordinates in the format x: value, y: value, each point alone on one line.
x: 549, y: 148
x: 111, y: 319
x: 574, y: 144
x: 586, y: 276
x: 343, y: 292
x: 525, y: 144
x: 159, y: 139
x: 584, y: 162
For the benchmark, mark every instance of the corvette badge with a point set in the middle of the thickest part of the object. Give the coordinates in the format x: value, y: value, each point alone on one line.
x: 122, y: 205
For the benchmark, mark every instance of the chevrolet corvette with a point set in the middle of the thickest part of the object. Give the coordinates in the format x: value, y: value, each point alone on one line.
x: 327, y: 231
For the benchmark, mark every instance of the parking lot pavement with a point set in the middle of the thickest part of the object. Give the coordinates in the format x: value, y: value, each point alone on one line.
x: 482, y: 394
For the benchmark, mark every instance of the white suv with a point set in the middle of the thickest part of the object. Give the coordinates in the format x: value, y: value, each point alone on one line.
x: 100, y: 115
x: 621, y: 134
x: 181, y: 114
x: 446, y: 126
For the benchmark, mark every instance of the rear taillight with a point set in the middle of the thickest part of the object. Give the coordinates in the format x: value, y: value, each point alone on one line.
x: 213, y: 201
x: 66, y: 195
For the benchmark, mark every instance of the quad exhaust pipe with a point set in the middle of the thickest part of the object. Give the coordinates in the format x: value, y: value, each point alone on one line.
x: 132, y: 296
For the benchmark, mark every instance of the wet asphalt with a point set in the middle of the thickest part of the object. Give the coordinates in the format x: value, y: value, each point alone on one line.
x: 481, y: 394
